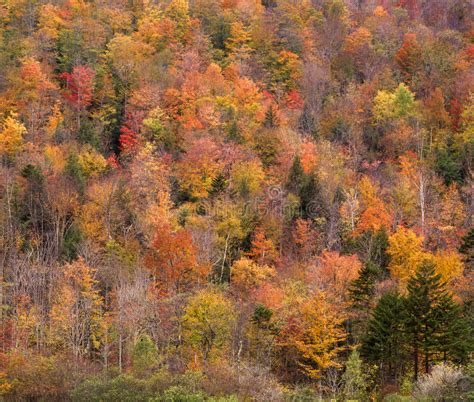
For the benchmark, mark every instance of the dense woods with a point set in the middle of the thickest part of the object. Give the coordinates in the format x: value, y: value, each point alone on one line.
x: 236, y: 200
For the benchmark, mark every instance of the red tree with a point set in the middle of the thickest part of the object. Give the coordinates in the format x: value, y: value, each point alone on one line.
x: 79, y: 86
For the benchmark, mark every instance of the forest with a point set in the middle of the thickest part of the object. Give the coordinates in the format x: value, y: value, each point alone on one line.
x: 236, y: 200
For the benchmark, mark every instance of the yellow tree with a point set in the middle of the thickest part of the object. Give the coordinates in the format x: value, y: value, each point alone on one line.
x: 406, y: 254
x: 247, y: 275
x: 316, y: 333
x: 11, y: 136
x: 77, y: 312
x: 207, y: 322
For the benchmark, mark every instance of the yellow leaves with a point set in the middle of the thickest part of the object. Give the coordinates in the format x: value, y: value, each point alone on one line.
x: 389, y: 105
x: 238, y: 41
x: 128, y: 55
x: 247, y: 177
x: 448, y: 264
x: 55, y: 156
x: 54, y: 121
x: 406, y: 254
x: 76, y: 314
x: 6, y: 385
x: 367, y: 190
x: 91, y: 162
x: 317, y: 333
x: 207, y: 321
x: 383, y: 107
x: 246, y: 274
x: 11, y: 136
x: 358, y: 39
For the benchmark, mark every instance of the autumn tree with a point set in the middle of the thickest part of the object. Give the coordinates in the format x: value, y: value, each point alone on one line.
x: 207, y: 322
x: 316, y: 334
x: 11, y: 136
x: 172, y: 259
x: 77, y: 316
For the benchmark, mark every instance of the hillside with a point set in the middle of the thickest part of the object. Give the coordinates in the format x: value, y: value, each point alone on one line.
x: 236, y: 200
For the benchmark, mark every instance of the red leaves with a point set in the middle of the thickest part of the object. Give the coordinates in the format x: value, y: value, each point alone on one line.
x: 408, y: 56
x: 129, y: 131
x: 79, y: 86
x: 294, y: 100
x: 127, y: 139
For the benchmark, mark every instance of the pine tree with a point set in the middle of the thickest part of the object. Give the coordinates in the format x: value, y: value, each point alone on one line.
x: 296, y: 176
x: 307, y: 122
x: 454, y: 337
x: 384, y: 340
x: 362, y: 292
x: 467, y: 249
x: 219, y: 184
x: 271, y: 118
x: 362, y: 289
x: 433, y: 321
x: 354, y: 380
x: 311, y: 198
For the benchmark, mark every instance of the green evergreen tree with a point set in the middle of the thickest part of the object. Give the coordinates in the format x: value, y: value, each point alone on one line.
x: 307, y: 122
x: 271, y: 118
x: 219, y: 184
x: 296, y: 176
x: 144, y: 355
x: 467, y: 249
x: 384, y: 342
x: 362, y: 291
x: 454, y: 337
x: 434, y: 325
x: 311, y: 198
x: 354, y: 379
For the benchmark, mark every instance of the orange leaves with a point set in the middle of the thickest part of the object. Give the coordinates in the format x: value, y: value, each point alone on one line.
x: 199, y: 166
x: 358, y: 40
x: 308, y: 156
x: 334, y: 272
x: 375, y: 214
x: 374, y: 217
x: 263, y: 250
x: 305, y: 238
x: 34, y: 80
x: 172, y: 259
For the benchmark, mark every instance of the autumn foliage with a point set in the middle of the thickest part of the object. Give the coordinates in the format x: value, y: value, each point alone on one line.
x: 256, y: 200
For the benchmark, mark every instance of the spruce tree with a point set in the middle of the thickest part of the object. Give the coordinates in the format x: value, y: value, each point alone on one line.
x: 362, y: 291
x: 271, y: 118
x: 384, y: 342
x: 454, y: 335
x: 424, y: 293
x: 433, y: 322
x: 296, y: 176
x: 467, y: 249
x: 311, y: 198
